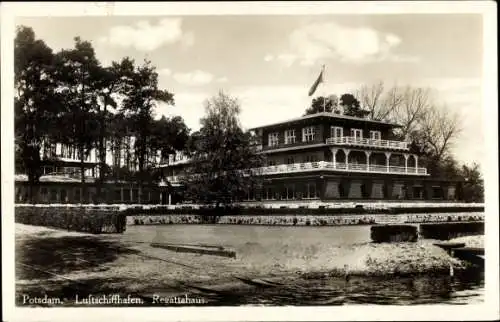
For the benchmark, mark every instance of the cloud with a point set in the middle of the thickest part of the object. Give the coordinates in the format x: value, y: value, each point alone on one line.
x: 268, y: 57
x: 194, y: 78
x: 144, y: 36
x: 165, y: 71
x: 315, y: 42
x: 222, y: 79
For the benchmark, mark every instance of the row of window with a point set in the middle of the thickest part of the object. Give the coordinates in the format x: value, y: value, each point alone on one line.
x: 292, y: 159
x: 65, y: 195
x: 309, y: 135
x: 291, y: 192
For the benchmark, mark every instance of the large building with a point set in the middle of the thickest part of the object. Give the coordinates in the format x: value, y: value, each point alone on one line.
x: 323, y: 156
x: 61, y: 176
x: 330, y: 157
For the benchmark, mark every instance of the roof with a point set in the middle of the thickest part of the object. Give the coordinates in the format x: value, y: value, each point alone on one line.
x: 327, y: 115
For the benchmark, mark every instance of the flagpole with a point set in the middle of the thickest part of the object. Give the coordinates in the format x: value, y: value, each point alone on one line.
x: 324, y: 89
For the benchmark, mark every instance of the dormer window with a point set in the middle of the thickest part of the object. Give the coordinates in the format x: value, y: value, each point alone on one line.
x: 375, y: 135
x: 308, y: 134
x: 273, y: 139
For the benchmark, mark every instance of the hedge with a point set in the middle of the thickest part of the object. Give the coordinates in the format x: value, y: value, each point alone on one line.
x: 393, y: 233
x: 417, y: 210
x: 82, y: 219
x: 444, y: 231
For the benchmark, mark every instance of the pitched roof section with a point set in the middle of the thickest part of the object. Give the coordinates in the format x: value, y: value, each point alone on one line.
x: 327, y: 115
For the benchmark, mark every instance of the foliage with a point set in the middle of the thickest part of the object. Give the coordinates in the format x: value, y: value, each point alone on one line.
x: 351, y: 106
x: 444, y: 231
x: 82, y: 219
x: 36, y: 102
x: 141, y: 96
x: 70, y: 98
x: 393, y: 233
x: 473, y: 187
x: 221, y: 152
x: 323, y: 104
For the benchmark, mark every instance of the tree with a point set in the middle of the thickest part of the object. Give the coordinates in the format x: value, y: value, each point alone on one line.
x: 323, y: 104
x: 169, y: 134
x: 473, y: 188
x: 142, y: 95
x: 351, y: 106
x: 222, y: 154
x: 380, y: 104
x: 110, y: 82
x: 78, y: 75
x: 36, y: 102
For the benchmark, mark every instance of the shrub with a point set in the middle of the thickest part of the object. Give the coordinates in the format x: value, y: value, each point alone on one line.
x: 80, y: 219
x: 444, y: 231
x: 393, y: 233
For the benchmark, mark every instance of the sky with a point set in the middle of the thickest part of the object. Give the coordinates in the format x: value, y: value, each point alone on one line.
x: 269, y: 62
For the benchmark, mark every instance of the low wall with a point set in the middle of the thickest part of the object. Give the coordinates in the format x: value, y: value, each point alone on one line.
x: 94, y: 220
x: 301, y: 220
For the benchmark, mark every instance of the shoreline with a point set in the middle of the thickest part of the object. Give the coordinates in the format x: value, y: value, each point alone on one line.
x: 130, y: 271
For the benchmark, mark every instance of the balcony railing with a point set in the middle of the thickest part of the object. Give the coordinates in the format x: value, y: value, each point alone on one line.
x: 350, y: 140
x: 350, y: 167
x: 324, y: 165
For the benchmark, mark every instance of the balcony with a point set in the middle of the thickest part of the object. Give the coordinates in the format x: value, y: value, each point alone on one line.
x: 350, y: 167
x: 330, y: 166
x: 355, y: 141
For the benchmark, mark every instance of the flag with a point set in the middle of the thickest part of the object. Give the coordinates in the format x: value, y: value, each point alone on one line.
x: 317, y: 82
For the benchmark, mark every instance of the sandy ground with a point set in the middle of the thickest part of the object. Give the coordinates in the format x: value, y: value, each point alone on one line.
x: 57, y: 262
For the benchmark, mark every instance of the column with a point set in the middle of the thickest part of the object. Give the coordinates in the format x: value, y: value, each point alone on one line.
x: 169, y: 199
x: 121, y: 194
x: 368, y: 153
x: 416, y: 163
x: 346, y: 152
x: 161, y: 197
x: 406, y: 162
x: 334, y: 158
x: 387, y: 158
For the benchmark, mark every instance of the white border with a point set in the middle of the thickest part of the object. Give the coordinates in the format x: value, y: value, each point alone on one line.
x: 489, y: 310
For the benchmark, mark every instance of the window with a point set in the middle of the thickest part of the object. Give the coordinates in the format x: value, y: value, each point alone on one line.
x: 375, y: 135
x: 357, y: 134
x: 437, y: 192
x: 290, y: 160
x: 289, y: 136
x: 53, y: 195
x: 310, y: 191
x: 271, y: 162
x: 311, y: 158
x: 269, y: 194
x: 273, y: 139
x: 336, y: 132
x: 289, y: 192
x: 308, y: 134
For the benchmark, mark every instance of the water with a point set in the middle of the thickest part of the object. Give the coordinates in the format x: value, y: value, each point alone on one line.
x: 304, y: 248
x: 465, y: 289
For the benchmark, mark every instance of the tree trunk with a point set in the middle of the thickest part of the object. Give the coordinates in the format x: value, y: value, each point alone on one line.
x: 102, y: 153
x: 82, y: 174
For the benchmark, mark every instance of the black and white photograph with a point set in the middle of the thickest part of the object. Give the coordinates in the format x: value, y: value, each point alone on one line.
x: 306, y: 157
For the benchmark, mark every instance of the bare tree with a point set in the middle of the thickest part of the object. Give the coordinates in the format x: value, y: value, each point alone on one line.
x: 371, y: 98
x: 412, y: 108
x: 440, y: 127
